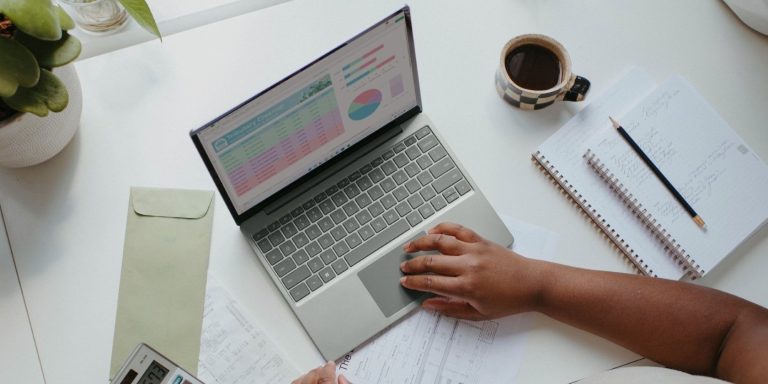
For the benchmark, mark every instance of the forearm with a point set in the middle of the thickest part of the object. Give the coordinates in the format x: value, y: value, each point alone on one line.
x: 680, y: 325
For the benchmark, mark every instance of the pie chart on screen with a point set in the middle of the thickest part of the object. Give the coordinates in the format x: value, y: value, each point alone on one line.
x: 365, y: 104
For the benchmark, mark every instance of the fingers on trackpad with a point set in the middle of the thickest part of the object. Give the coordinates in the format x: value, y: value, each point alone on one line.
x: 382, y: 280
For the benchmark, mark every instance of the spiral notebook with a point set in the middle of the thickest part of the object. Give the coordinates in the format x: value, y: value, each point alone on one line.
x: 714, y: 169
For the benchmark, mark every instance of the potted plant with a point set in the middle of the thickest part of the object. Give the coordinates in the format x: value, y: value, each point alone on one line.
x: 40, y: 96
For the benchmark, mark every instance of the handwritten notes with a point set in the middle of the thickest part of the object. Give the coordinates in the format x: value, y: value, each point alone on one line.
x: 711, y: 166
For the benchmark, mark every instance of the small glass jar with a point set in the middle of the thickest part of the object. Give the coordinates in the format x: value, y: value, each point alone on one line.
x: 97, y: 16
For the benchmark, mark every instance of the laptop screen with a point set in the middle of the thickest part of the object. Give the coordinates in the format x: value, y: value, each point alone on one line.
x: 300, y: 123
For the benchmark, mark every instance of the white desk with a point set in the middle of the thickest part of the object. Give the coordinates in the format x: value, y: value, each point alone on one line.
x: 66, y: 217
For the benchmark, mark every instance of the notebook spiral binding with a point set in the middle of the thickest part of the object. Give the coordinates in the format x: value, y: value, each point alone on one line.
x: 673, y: 248
x: 597, y: 220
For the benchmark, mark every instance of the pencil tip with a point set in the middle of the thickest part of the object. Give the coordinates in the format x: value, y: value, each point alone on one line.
x: 700, y: 222
x: 615, y: 123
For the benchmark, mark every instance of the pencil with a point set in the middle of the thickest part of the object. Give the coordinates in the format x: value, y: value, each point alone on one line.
x: 696, y: 218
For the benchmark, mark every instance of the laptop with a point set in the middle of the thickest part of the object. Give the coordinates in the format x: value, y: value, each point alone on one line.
x: 330, y: 171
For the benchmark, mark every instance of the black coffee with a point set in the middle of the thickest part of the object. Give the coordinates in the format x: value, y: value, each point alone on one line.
x: 533, y: 67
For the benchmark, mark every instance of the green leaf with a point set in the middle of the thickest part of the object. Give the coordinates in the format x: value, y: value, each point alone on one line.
x: 139, y: 10
x: 65, y: 20
x: 49, y: 93
x: 38, y: 18
x: 52, y: 53
x: 18, y: 67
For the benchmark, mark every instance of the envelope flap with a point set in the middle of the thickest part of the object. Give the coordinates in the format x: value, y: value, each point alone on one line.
x: 177, y: 203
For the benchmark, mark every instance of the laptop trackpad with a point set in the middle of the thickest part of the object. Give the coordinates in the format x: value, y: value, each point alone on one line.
x: 382, y: 279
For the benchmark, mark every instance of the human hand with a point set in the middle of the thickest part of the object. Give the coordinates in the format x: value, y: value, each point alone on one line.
x: 474, y: 278
x: 325, y: 374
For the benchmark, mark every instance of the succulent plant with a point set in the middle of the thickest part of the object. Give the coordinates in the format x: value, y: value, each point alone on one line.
x: 33, y: 41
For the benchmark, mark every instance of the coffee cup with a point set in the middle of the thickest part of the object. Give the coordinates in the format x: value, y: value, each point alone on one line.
x: 535, y: 72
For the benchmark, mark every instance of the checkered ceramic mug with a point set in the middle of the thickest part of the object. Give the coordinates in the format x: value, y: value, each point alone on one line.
x: 535, y: 71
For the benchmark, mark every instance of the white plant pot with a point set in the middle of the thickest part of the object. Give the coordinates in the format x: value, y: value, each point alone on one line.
x: 29, y: 139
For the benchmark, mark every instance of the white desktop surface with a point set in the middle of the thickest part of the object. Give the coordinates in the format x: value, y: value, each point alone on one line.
x: 66, y: 217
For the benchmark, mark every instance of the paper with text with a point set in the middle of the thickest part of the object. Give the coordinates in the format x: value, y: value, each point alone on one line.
x: 717, y: 173
x: 233, y: 350
x: 429, y: 348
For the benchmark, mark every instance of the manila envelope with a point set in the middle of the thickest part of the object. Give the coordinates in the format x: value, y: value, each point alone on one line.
x: 165, y: 264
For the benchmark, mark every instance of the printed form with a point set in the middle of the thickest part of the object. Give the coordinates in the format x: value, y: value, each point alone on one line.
x: 232, y: 349
x: 429, y: 348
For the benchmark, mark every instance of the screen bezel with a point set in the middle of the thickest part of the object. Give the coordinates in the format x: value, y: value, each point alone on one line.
x: 240, y: 218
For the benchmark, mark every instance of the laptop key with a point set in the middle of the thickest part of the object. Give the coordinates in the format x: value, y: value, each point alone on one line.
x: 300, y: 240
x: 325, y: 224
x: 413, y: 152
x: 375, y: 192
x: 375, y: 209
x: 297, y: 276
x: 355, y: 175
x: 450, y: 195
x: 363, y: 200
x: 328, y: 257
x: 260, y: 234
x: 388, y: 201
x: 366, y: 232
x: 320, y: 197
x: 441, y: 167
x: 429, y: 142
x: 446, y: 180
x: 313, y: 248
x: 391, y: 216
x: 300, y: 257
x: 313, y: 231
x: 339, y: 199
x: 437, y: 153
x: 331, y: 190
x: 399, y: 147
x: 287, y: 247
x: 314, y: 283
x: 422, y: 132
x: 378, y: 224
x: 425, y: 178
x: 412, y: 169
x: 424, y: 162
x: 352, y: 191
x: 285, y: 219
x: 308, y: 204
x: 400, y: 194
x: 282, y: 268
x: 414, y: 218
x: 276, y: 238
x: 426, y: 210
x: 338, y: 216
x: 353, y: 241
x: 438, y: 202
x: 289, y: 230
x: 388, y: 168
x: 366, y: 168
x: 376, y: 175
x: 412, y: 185
x: 338, y: 233
x: 343, y: 183
x: 415, y: 201
x: 299, y: 292
x: 264, y: 245
x: 363, y: 218
x: 325, y: 241
x: 327, y: 274
x: 297, y: 211
x: 301, y: 222
x: 387, y: 155
x: 327, y: 206
x: 364, y: 183
x: 341, y: 248
x: 350, y: 208
x: 315, y: 264
x: 314, y: 214
x: 388, y: 184
x: 411, y: 140
x: 427, y: 193
x: 274, y: 226
x: 351, y: 225
x: 403, y: 209
x: 400, y: 177
x: 463, y: 187
x: 377, y: 162
x: 274, y: 256
x: 339, y: 266
x: 374, y: 243
x: 400, y: 160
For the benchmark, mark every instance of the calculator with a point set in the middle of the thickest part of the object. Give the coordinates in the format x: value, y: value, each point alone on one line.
x: 147, y: 366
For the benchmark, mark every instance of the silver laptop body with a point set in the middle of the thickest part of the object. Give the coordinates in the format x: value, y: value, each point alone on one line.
x: 330, y: 171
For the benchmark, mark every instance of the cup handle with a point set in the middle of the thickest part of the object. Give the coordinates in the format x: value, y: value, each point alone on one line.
x: 578, y: 89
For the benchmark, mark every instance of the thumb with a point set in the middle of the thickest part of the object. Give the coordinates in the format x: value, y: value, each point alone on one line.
x: 343, y: 380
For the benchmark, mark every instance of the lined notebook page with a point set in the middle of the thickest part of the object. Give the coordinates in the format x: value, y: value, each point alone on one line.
x: 719, y: 175
x: 561, y: 154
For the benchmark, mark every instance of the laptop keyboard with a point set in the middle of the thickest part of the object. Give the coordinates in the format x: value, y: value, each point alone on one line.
x: 320, y: 239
